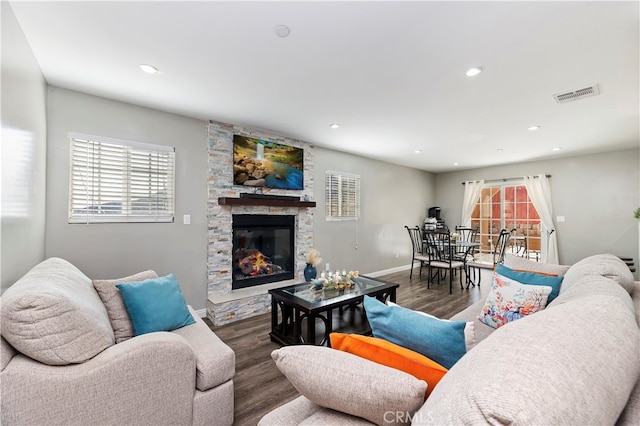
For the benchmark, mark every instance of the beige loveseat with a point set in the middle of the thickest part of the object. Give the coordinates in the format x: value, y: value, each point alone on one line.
x: 575, y: 362
x: 59, y: 363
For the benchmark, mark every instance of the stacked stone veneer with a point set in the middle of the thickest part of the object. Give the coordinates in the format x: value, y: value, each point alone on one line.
x: 222, y: 305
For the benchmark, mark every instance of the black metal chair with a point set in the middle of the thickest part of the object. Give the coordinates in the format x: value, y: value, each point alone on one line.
x: 466, y: 254
x: 501, y: 246
x: 441, y: 253
x: 417, y: 246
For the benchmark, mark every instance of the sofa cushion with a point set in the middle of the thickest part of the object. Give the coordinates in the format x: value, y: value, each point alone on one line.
x: 391, y: 355
x: 215, y: 360
x: 582, y: 374
x: 508, y: 300
x: 350, y: 384
x: 522, y: 264
x: 302, y: 411
x: 327, y: 417
x: 54, y: 315
x: 155, y: 304
x: 606, y: 265
x: 441, y: 341
x: 112, y: 299
x: 533, y: 278
x: 480, y: 330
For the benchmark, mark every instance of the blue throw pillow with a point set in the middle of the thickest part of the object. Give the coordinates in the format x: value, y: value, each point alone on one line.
x: 156, y: 304
x: 533, y: 278
x: 441, y: 341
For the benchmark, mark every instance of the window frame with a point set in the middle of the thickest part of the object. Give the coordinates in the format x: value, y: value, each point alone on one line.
x: 128, y: 175
x: 342, y: 196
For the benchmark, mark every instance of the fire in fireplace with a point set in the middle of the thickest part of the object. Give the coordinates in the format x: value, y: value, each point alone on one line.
x: 263, y: 249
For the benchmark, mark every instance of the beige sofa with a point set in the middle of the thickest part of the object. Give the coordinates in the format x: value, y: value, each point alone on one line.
x: 575, y: 362
x: 64, y: 367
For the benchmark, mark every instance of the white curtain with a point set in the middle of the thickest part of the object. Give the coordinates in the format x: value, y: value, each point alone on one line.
x: 539, y: 192
x: 472, y: 192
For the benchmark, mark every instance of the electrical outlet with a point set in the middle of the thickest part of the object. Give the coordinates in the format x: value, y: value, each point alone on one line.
x: 186, y: 219
x: 326, y: 266
x: 560, y: 219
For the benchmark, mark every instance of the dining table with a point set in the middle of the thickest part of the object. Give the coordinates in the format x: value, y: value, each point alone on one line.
x: 460, y: 250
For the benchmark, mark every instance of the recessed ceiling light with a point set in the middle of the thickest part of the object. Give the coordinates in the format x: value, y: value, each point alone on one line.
x: 455, y: 164
x: 417, y: 151
x: 500, y: 149
x: 149, y: 69
x: 533, y: 128
x: 557, y: 148
x: 334, y: 125
x: 472, y: 72
x: 282, y: 31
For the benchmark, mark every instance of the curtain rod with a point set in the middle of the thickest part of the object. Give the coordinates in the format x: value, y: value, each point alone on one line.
x: 507, y: 179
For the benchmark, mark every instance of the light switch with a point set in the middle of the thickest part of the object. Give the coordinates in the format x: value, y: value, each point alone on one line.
x: 559, y: 219
x: 186, y: 219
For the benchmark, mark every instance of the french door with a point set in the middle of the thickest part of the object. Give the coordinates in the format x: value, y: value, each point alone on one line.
x: 507, y: 206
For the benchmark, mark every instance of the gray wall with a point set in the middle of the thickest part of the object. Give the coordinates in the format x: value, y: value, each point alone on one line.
x: 116, y: 250
x: 597, y: 194
x: 24, y: 148
x: 392, y: 197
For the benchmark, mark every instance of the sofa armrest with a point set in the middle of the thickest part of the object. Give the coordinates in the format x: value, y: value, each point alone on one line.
x: 215, y: 361
x: 149, y: 379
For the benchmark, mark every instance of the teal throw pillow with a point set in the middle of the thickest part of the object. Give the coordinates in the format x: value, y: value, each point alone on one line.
x: 533, y: 278
x: 156, y: 304
x: 441, y: 341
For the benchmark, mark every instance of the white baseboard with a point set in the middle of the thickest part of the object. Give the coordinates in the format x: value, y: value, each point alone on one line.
x: 201, y: 313
x: 387, y: 271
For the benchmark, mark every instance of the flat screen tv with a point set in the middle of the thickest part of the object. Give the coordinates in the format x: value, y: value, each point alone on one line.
x: 260, y: 163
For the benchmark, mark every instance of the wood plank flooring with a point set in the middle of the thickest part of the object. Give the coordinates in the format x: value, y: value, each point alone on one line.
x: 259, y: 385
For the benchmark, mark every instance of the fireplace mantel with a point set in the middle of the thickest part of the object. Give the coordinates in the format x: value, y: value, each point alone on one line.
x: 232, y: 201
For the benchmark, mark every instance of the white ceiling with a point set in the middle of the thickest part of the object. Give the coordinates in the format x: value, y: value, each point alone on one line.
x: 392, y: 74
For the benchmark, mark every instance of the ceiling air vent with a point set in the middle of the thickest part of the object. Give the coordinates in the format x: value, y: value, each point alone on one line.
x: 577, y: 94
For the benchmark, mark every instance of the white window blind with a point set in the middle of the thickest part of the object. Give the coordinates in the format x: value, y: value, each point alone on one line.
x: 342, y: 196
x: 120, y: 181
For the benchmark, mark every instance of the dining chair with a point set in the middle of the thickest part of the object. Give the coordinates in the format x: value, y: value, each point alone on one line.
x: 441, y: 253
x: 518, y: 243
x: 501, y: 246
x: 466, y: 254
x: 417, y: 246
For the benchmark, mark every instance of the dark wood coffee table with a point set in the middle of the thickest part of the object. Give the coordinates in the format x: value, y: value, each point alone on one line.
x: 297, y: 310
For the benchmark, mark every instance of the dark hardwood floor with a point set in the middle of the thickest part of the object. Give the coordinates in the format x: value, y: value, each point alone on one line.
x: 259, y: 385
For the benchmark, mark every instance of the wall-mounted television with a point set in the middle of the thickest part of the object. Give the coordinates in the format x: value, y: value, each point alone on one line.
x: 261, y: 163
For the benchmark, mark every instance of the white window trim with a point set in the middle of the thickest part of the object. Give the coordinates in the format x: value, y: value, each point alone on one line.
x: 129, y: 186
x: 336, y: 203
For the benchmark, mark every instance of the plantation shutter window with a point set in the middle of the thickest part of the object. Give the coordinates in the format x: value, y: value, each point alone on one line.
x: 113, y: 180
x: 342, y: 196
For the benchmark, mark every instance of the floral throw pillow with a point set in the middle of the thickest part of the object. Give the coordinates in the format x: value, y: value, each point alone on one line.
x: 509, y: 300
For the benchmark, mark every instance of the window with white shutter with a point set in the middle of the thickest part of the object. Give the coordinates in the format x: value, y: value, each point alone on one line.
x: 113, y: 180
x: 342, y: 196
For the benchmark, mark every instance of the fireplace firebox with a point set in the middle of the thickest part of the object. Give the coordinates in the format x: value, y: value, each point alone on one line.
x: 263, y: 249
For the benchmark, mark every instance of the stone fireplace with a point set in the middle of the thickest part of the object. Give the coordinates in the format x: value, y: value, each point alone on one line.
x: 225, y: 303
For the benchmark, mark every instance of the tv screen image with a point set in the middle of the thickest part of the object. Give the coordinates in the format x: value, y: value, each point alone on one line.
x: 260, y: 163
